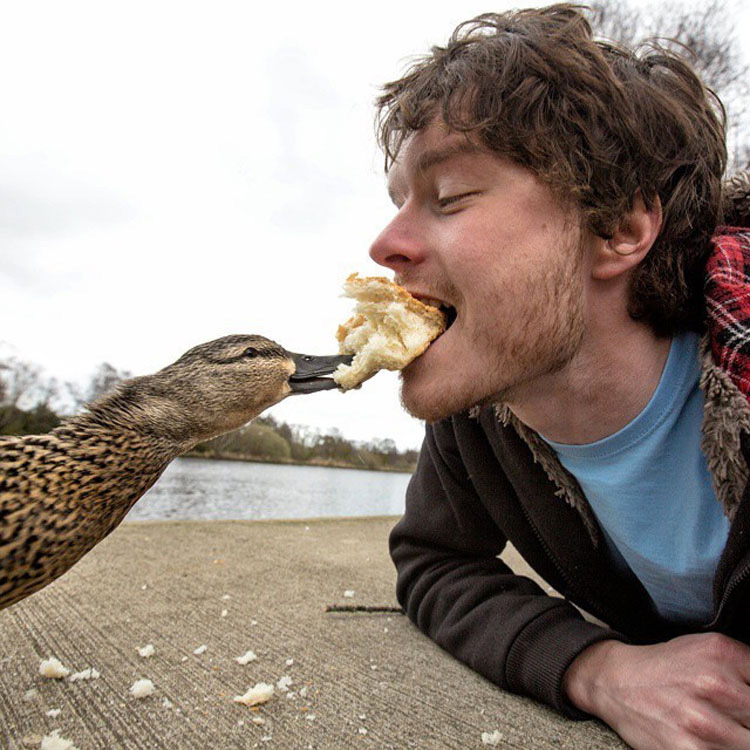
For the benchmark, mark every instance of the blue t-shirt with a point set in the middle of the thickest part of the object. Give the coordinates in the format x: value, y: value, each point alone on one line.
x: 650, y: 488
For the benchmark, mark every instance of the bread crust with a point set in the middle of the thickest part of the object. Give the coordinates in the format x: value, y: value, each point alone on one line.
x: 389, y: 329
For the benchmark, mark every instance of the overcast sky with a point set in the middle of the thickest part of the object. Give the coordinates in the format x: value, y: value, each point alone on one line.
x: 171, y: 172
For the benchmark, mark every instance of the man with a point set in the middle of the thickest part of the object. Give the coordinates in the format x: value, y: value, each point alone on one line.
x: 559, y: 196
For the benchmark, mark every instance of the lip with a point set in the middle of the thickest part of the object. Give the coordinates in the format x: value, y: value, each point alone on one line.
x: 435, y: 348
x: 439, y: 303
x: 424, y: 362
x: 418, y: 293
x: 449, y: 310
x: 427, y: 299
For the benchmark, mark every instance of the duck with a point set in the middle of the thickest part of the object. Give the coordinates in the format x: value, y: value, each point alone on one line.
x: 62, y: 492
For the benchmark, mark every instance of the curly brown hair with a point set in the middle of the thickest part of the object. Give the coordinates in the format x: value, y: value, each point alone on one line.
x: 595, y: 121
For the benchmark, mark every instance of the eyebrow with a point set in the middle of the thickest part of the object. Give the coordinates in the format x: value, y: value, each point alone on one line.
x: 432, y: 157
x: 429, y: 159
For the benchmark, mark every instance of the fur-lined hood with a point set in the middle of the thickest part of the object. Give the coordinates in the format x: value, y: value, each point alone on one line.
x: 736, y: 201
x: 726, y: 416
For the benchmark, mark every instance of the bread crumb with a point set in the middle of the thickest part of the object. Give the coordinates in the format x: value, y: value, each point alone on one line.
x: 284, y: 683
x: 246, y: 658
x: 226, y: 597
x: 147, y: 650
x: 261, y: 693
x: 492, y: 738
x: 259, y: 720
x: 289, y: 662
x: 348, y: 594
x: 362, y: 730
x: 53, y: 713
x: 53, y: 741
x: 142, y: 688
x: 200, y: 650
x: 53, y: 669
x: 224, y: 612
x: 86, y: 674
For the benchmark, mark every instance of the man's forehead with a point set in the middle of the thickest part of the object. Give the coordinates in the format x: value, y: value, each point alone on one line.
x: 429, y: 147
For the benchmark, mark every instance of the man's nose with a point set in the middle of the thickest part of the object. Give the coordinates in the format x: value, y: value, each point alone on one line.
x: 399, y: 245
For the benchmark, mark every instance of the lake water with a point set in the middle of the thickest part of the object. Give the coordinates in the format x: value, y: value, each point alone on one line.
x: 202, y: 489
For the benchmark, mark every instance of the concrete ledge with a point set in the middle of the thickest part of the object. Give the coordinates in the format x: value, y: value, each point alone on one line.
x: 372, y: 680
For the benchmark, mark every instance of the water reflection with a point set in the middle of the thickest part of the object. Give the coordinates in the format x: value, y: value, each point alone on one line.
x: 200, y: 489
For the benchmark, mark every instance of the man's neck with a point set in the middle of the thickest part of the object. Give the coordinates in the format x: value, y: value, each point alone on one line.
x: 603, y: 388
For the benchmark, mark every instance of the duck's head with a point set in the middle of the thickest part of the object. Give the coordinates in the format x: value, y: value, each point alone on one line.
x: 217, y: 387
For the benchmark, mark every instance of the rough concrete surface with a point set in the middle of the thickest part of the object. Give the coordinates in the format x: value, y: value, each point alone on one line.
x: 358, y: 680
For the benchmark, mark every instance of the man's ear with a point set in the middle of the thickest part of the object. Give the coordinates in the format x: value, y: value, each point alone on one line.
x: 631, y: 240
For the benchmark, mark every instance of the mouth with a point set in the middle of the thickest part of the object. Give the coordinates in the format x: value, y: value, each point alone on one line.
x: 450, y: 315
x: 310, y: 372
x: 448, y: 310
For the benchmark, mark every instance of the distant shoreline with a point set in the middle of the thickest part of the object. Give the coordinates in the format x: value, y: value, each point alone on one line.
x: 322, y: 462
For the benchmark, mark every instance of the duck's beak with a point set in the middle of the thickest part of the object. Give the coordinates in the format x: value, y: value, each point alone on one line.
x: 310, y: 373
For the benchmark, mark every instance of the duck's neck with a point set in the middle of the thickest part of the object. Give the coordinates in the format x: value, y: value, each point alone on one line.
x: 72, y: 487
x: 140, y: 407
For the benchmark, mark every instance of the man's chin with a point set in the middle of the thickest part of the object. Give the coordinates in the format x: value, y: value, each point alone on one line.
x: 431, y: 401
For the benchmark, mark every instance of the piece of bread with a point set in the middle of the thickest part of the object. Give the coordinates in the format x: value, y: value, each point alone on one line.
x: 388, y: 330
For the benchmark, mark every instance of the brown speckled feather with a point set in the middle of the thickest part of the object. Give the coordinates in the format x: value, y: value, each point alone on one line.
x: 62, y: 493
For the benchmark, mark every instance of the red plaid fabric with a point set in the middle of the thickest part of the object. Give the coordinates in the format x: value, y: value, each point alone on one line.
x: 728, y: 304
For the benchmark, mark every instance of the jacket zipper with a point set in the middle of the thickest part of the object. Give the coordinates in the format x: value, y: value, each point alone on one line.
x: 593, y: 609
x: 736, y: 580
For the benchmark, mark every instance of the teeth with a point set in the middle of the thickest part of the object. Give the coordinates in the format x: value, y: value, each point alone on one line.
x: 431, y: 301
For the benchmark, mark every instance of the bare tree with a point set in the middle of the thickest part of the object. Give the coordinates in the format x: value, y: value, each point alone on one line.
x: 26, y: 394
x: 24, y: 384
x: 707, y: 34
x: 76, y: 397
x: 104, y: 379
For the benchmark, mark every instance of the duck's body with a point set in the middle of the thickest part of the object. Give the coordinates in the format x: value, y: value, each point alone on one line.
x: 63, y: 492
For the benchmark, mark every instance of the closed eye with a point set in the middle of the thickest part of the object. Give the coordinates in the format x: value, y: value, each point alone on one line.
x: 450, y: 200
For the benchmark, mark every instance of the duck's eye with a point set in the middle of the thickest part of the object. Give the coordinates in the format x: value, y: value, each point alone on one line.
x: 251, y: 351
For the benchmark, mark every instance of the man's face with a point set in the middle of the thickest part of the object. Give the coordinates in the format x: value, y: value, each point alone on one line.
x: 486, y: 237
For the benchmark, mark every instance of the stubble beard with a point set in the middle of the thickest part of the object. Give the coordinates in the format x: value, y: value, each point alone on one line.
x: 546, y: 338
